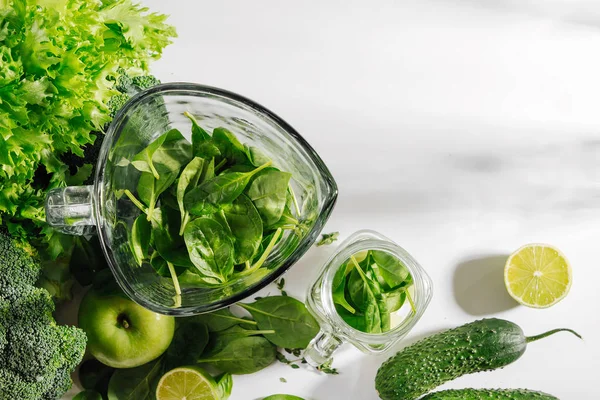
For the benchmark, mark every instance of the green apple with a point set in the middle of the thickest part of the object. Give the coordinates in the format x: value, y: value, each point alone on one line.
x: 121, y: 333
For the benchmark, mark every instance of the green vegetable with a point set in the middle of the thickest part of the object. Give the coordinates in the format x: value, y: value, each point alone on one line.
x: 366, y: 293
x: 224, y: 385
x: 294, y: 326
x: 57, y: 75
x: 95, y: 376
x: 479, y: 346
x: 166, y: 239
x: 245, y: 226
x: 221, y: 189
x: 135, y: 383
x: 229, y: 146
x: 328, y: 238
x: 221, y: 320
x: 268, y: 192
x: 282, y: 397
x: 189, y: 342
x: 189, y: 178
x: 170, y: 149
x: 141, y: 233
x: 37, y: 354
x: 210, y: 248
x: 88, y: 395
x: 491, y: 394
x: 241, y: 355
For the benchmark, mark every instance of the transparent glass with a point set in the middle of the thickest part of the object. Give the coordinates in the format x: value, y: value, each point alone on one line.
x: 104, y: 209
x: 334, y: 330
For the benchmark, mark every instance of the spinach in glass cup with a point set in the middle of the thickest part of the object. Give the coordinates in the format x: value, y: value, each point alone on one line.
x: 370, y: 288
x: 212, y: 209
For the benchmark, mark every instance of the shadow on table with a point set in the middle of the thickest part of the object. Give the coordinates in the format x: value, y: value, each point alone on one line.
x: 358, y: 379
x: 479, y: 286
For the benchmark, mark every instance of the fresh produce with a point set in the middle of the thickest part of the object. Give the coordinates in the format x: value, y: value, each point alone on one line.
x: 239, y: 352
x: 294, y: 327
x: 121, y: 333
x: 57, y: 76
x: 88, y: 395
x: 482, y: 345
x: 489, y: 394
x: 135, y: 383
x: 190, y: 382
x: 231, y: 207
x: 283, y: 397
x: 328, y: 238
x: 95, y: 376
x: 37, y: 355
x: 368, y: 288
x: 538, y: 276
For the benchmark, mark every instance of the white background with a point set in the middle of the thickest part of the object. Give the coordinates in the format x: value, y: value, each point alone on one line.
x: 462, y: 129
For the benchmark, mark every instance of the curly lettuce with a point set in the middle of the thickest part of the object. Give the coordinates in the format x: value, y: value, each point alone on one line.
x: 58, y: 67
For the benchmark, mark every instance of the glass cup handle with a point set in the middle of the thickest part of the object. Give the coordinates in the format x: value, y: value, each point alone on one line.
x: 70, y: 210
x: 321, y: 348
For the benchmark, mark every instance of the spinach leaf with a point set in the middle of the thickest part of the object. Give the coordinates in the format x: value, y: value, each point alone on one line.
x: 245, y: 225
x: 390, y: 268
x: 88, y: 395
x: 229, y: 146
x: 202, y: 144
x: 170, y: 149
x: 355, y: 320
x: 165, y: 236
x: 93, y: 375
x: 224, y: 385
x: 243, y: 355
x: 294, y: 326
x: 189, y: 342
x: 161, y: 266
x: 339, y: 287
x: 135, y: 383
x: 193, y: 278
x: 362, y: 296
x: 220, y: 320
x: 268, y: 192
x: 283, y: 397
x: 395, y: 299
x: 255, y: 156
x: 219, y: 340
x: 210, y: 248
x: 141, y: 233
x: 149, y: 188
x: 188, y: 179
x: 221, y: 189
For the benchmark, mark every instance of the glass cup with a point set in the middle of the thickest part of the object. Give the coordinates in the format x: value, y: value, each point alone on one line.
x: 334, y: 330
x: 103, y: 209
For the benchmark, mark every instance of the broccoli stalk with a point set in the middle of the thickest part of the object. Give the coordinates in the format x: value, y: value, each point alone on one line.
x: 36, y: 355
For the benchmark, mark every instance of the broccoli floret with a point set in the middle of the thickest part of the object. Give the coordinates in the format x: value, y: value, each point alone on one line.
x: 145, y: 82
x: 36, y: 355
x: 18, y: 265
x: 117, y: 102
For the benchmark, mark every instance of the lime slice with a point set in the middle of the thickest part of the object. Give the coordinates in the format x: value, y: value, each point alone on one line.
x: 186, y: 383
x: 538, y: 275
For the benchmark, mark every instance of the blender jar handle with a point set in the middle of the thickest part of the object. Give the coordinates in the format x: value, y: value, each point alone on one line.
x: 321, y: 348
x: 70, y: 210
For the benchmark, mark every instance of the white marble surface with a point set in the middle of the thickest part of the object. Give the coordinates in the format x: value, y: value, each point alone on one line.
x: 462, y: 129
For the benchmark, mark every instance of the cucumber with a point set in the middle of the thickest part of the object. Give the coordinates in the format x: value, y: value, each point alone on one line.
x: 489, y: 394
x: 482, y: 345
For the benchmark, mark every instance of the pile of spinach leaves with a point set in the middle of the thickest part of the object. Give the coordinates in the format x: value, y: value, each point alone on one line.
x: 367, y: 292
x: 212, y: 209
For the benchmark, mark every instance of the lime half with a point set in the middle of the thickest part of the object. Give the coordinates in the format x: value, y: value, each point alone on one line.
x: 538, y: 275
x: 186, y: 383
